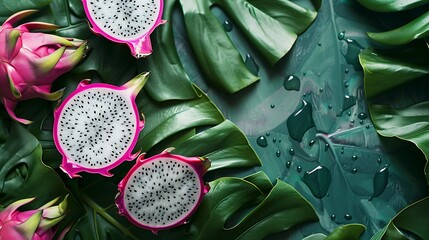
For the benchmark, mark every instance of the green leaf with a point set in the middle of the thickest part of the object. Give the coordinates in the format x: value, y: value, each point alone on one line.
x: 409, y: 123
x: 391, y: 5
x: 24, y: 175
x: 416, y: 29
x: 385, y: 71
x: 216, y: 55
x: 263, y: 30
x: 228, y: 147
x: 167, y: 118
x: 8, y: 7
x: 347, y: 232
x: 412, y: 219
x: 169, y: 80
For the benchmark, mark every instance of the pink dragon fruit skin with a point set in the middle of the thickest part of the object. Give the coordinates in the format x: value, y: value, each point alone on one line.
x: 200, y: 165
x: 31, y: 61
x: 139, y: 45
x: 32, y: 224
x: 130, y: 89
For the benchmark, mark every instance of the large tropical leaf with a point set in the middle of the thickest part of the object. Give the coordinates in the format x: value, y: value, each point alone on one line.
x: 408, y: 219
x: 24, y: 175
x: 391, y: 5
x: 344, y: 232
x: 216, y: 54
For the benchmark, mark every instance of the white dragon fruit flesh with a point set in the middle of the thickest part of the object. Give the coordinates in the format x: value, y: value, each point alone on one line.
x: 126, y: 21
x: 96, y: 127
x: 163, y: 191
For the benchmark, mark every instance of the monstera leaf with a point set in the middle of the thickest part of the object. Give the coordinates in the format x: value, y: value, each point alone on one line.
x: 410, y: 220
x: 349, y: 232
x: 24, y: 175
x: 263, y: 23
x: 235, y: 208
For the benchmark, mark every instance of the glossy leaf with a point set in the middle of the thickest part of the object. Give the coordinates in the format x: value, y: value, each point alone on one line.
x: 391, y: 5
x: 349, y: 232
x: 291, y: 15
x: 409, y: 123
x: 408, y: 219
x: 383, y: 71
x: 24, y: 175
x: 216, y: 55
x: 169, y: 80
x: 167, y: 118
x: 262, y: 30
x: 344, y: 232
x: 222, y: 214
x: 416, y: 29
x: 8, y: 7
x: 228, y: 147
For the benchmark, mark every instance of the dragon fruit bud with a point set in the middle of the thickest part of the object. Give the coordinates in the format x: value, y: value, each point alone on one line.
x: 96, y: 127
x: 35, y: 224
x: 129, y: 22
x: 163, y: 191
x: 31, y: 61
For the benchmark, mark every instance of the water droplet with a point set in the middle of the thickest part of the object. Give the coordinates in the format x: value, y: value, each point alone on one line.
x: 288, y: 163
x: 333, y: 217
x: 318, y: 181
x: 368, y: 126
x: 274, y: 140
x: 380, y: 181
x: 227, y: 26
x: 280, y: 140
x: 362, y: 115
x: 351, y: 55
x: 347, y: 216
x: 352, y: 121
x: 312, y: 142
x: 330, y: 106
x: 354, y: 157
x: 326, y: 147
x: 267, y: 134
x: 299, y: 169
x: 346, y: 70
x: 341, y: 35
x: 342, y: 150
x: 348, y: 102
x: 321, y: 89
x: 292, y: 82
x: 251, y: 64
x: 300, y: 121
x: 354, y: 171
x: 346, y: 85
x: 349, y: 113
x: 361, y: 121
x: 291, y: 151
x: 262, y: 141
x: 319, y: 44
x: 273, y: 106
x: 278, y: 153
x: 379, y: 160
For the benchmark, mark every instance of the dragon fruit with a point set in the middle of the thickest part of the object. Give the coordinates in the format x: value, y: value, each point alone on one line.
x: 32, y: 224
x: 31, y: 61
x: 96, y: 127
x: 128, y: 21
x: 163, y: 191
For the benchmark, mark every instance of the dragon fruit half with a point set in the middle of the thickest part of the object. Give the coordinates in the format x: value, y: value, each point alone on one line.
x: 162, y: 192
x: 128, y: 21
x: 31, y: 61
x: 32, y: 224
x: 96, y: 127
